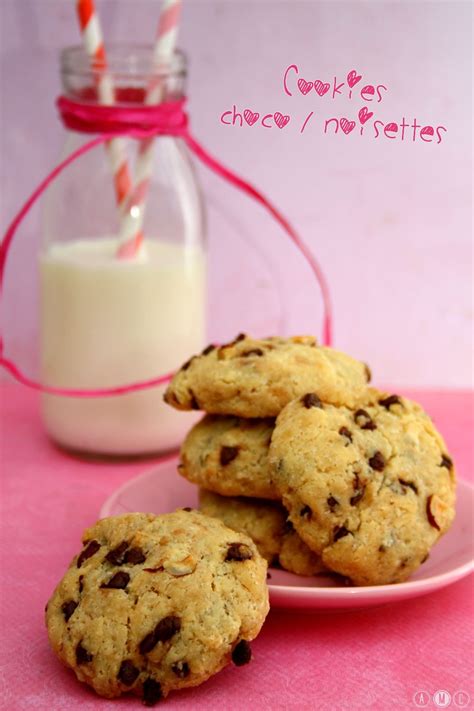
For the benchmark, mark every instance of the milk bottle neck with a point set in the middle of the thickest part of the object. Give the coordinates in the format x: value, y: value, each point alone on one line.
x: 131, y: 75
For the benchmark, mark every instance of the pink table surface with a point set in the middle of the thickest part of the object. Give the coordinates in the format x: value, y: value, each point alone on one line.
x: 369, y: 659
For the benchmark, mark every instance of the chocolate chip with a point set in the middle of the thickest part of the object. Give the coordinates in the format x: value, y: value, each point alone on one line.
x: 332, y: 503
x: 241, y: 654
x: 67, y: 608
x: 228, y: 454
x: 193, y: 401
x: 288, y: 526
x: 425, y: 559
x: 311, y: 400
x: 128, y: 673
x: 340, y: 579
x: 134, y: 556
x: 82, y: 655
x: 167, y: 627
x: 153, y: 570
x: 377, y: 462
x: 88, y: 552
x: 240, y: 337
x: 346, y: 433
x: 116, y: 554
x: 431, y: 519
x: 186, y: 365
x: 119, y: 581
x: 81, y: 583
x: 187, y: 508
x: 357, y: 496
x: 368, y: 373
x: 363, y: 419
x: 359, y: 490
x: 147, y: 643
x: 306, y: 512
x: 164, y: 630
x: 382, y: 548
x: 208, y: 349
x: 181, y: 669
x: 238, y: 552
x: 391, y: 400
x: 252, y: 351
x: 269, y: 575
x: 171, y: 398
x: 340, y: 532
x: 152, y: 692
x: 446, y: 462
x: 409, y: 484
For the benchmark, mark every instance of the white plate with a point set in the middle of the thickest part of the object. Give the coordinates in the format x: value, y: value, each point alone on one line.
x: 162, y: 489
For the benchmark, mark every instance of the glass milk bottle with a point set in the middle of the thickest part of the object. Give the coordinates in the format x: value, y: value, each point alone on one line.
x: 106, y: 320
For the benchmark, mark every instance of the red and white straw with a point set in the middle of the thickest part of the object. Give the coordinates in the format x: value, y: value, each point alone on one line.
x: 131, y: 234
x: 94, y: 46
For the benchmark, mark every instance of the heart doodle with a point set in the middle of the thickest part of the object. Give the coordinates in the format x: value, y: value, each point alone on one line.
x: 280, y: 120
x: 321, y: 88
x: 305, y: 86
x: 364, y: 115
x: 251, y: 117
x: 346, y: 125
x: 353, y: 78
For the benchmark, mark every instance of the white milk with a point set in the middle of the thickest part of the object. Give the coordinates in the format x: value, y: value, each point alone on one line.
x: 108, y: 322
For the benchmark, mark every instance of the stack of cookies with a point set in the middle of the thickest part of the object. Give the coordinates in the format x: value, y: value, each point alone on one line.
x: 321, y: 470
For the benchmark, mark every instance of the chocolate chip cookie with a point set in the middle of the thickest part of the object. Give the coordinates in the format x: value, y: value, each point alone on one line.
x: 229, y: 455
x: 157, y: 603
x: 370, y: 489
x: 257, y: 378
x: 267, y: 525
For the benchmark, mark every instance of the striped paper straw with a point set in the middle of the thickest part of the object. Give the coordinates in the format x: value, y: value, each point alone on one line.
x: 131, y: 234
x: 94, y: 46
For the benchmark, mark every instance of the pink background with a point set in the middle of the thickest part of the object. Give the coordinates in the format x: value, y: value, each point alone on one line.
x: 390, y: 221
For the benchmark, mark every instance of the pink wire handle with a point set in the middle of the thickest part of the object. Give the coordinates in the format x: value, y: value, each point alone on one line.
x: 170, y: 120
